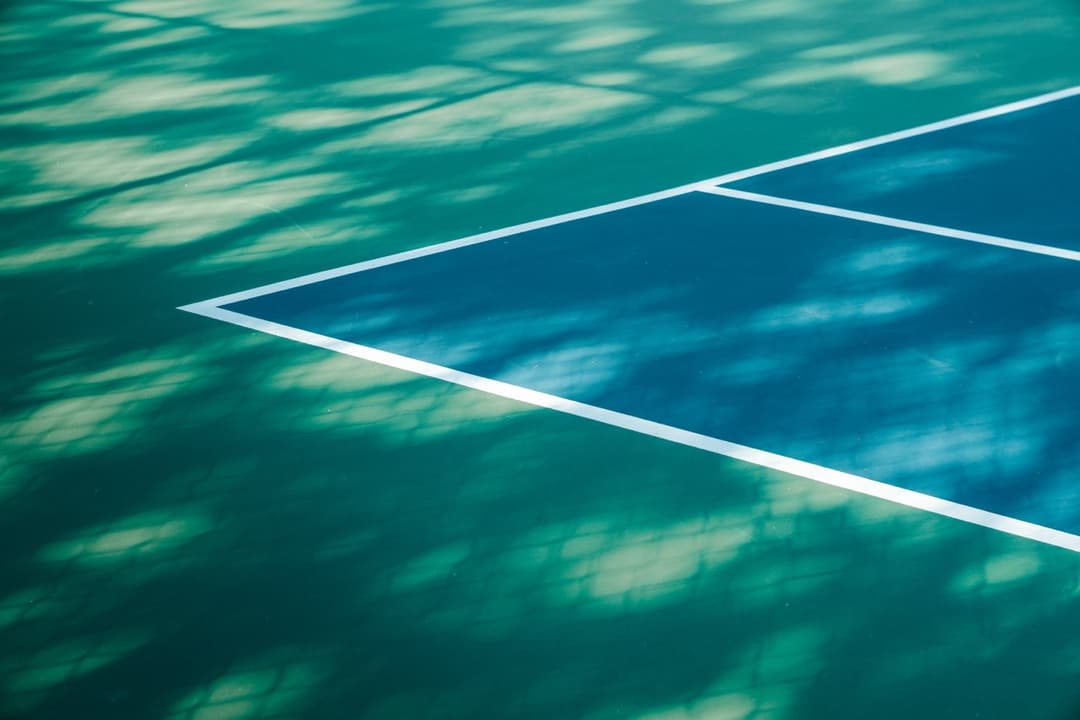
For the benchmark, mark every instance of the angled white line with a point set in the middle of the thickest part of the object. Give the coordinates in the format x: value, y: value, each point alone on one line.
x: 755, y: 456
x: 895, y: 136
x: 438, y: 248
x: 895, y: 222
x: 610, y: 207
x: 212, y: 308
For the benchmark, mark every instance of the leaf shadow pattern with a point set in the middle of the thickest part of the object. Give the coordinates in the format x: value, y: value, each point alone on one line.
x: 204, y: 523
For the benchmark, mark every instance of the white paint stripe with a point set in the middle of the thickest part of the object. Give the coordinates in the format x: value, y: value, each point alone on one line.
x: 896, y: 222
x: 610, y: 207
x: 439, y: 248
x: 763, y: 458
x: 211, y: 308
x: 895, y: 136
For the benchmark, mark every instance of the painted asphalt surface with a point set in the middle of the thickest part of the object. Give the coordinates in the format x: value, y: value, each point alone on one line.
x: 944, y: 367
x: 204, y: 522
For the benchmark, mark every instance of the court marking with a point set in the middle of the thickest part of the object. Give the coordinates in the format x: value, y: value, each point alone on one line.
x: 965, y: 119
x: 762, y: 458
x: 703, y: 185
x: 873, y: 219
x: 438, y: 248
x: 212, y: 308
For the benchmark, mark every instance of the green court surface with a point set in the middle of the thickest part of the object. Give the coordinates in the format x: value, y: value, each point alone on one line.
x: 201, y: 522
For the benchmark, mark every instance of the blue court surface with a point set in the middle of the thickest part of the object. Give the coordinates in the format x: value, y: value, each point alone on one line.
x: 900, y: 316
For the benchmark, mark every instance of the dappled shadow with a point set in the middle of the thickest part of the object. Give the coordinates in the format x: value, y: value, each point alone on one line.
x: 1009, y: 176
x: 849, y: 345
x: 201, y: 522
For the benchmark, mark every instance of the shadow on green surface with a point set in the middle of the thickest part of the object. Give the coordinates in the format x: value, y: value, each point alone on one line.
x: 204, y: 523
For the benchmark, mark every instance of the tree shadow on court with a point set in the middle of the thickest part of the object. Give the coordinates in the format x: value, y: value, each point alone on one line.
x: 201, y: 522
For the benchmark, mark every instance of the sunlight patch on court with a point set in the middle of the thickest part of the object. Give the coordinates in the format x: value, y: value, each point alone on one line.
x: 612, y: 78
x: 228, y: 198
x: 657, y: 119
x: 430, y: 568
x: 998, y: 572
x: 859, y: 48
x: 29, y: 677
x: 250, y: 14
x: 44, y: 257
x: 146, y: 92
x: 499, y: 14
x: 722, y: 707
x: 428, y: 81
x: 597, y: 38
x: 291, y: 238
x: 50, y: 172
x: 897, y: 68
x: 338, y: 117
x: 402, y: 407
x: 93, y: 410
x: 691, y: 56
x: 53, y: 88
x: 523, y: 111
x: 159, y: 40
x: 137, y: 537
x: 260, y: 687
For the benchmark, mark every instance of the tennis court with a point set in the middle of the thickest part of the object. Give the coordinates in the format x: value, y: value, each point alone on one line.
x: 610, y: 360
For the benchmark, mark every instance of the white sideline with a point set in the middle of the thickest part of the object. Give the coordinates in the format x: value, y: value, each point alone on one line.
x: 212, y: 308
x: 895, y: 222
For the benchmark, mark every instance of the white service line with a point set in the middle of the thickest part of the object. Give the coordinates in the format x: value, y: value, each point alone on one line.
x: 438, y: 248
x: 755, y: 456
x: 212, y: 308
x: 610, y: 207
x: 895, y: 136
x: 895, y: 222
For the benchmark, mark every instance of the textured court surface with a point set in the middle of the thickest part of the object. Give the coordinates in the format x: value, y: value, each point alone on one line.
x: 934, y: 363
x: 204, y: 522
x: 1011, y: 176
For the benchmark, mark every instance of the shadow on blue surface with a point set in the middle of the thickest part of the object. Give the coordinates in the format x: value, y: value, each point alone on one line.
x: 1015, y: 176
x: 200, y: 523
x: 938, y: 365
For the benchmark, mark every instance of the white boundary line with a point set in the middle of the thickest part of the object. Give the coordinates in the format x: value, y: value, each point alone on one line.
x: 438, y: 248
x: 895, y: 222
x: 212, y: 308
x: 751, y: 455
x: 640, y: 200
x: 901, y: 135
